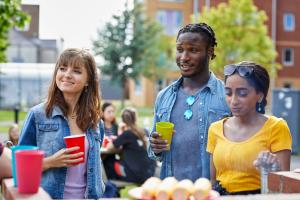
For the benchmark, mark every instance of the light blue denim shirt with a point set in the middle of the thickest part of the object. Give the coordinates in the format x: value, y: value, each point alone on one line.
x: 48, y: 134
x: 215, y: 108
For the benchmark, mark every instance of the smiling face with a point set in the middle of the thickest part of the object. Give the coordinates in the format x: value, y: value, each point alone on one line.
x: 192, y: 54
x: 241, y: 96
x: 72, y: 78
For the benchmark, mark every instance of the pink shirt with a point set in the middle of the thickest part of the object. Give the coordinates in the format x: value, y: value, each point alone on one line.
x: 75, y: 184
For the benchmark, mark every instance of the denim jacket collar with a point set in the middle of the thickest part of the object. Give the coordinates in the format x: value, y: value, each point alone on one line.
x: 215, y: 108
x: 211, y: 84
x: 56, y: 111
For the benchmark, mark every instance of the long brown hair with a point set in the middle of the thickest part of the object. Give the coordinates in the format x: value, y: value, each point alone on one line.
x: 88, y: 106
x: 129, y: 117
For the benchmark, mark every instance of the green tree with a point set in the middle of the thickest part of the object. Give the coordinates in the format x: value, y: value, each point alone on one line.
x: 241, y: 35
x: 131, y: 46
x: 11, y: 15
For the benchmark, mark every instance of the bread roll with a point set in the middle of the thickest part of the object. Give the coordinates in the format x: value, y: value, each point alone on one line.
x: 165, y: 189
x: 202, y: 188
x: 149, y: 187
x: 183, y: 190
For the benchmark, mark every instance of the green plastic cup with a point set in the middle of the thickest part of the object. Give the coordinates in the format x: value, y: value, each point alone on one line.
x: 165, y: 129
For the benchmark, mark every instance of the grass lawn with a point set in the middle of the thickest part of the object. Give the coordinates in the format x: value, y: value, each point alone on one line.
x: 8, y: 115
x: 145, y: 115
x: 7, y: 118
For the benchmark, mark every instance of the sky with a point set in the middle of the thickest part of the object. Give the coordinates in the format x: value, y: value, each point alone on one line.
x: 76, y: 21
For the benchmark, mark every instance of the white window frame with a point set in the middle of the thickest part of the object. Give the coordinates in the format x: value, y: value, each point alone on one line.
x: 174, y: 28
x: 288, y: 63
x: 286, y: 26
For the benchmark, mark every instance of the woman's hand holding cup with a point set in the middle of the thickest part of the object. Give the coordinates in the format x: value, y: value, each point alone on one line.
x: 63, y: 158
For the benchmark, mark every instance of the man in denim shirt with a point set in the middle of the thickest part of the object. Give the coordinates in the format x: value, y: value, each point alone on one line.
x: 192, y: 103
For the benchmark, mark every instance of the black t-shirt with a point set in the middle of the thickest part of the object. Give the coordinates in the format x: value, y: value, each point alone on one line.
x: 135, y: 158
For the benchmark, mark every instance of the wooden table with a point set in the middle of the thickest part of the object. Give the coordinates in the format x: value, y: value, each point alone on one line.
x: 284, y: 182
x: 10, y: 192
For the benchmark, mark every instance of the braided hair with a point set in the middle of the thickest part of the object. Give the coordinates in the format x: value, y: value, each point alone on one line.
x: 204, y: 30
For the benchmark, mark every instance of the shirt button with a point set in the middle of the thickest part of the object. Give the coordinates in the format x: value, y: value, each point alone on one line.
x: 91, y: 170
x: 201, y: 103
x: 201, y: 136
x: 200, y: 119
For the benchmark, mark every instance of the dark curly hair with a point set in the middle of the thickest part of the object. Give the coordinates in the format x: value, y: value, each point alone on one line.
x: 204, y: 30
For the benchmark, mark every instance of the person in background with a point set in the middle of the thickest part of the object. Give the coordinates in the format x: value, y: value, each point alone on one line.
x: 13, y: 135
x: 121, y: 128
x: 71, y: 108
x: 191, y: 103
x: 5, y: 162
x: 111, y: 132
x: 249, y: 139
x: 109, y: 119
x: 134, y: 165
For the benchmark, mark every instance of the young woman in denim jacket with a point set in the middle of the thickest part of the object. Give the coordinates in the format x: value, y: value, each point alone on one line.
x: 72, y: 108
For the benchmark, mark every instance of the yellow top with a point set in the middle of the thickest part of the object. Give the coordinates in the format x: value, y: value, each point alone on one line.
x: 234, y: 160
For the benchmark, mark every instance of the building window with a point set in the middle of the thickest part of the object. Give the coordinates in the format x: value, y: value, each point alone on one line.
x: 289, y: 22
x: 137, y: 88
x: 287, y: 85
x: 23, y: 29
x: 288, y: 57
x: 171, y: 20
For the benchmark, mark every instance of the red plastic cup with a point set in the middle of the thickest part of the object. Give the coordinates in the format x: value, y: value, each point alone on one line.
x: 76, y: 140
x: 105, y: 141
x: 29, y: 170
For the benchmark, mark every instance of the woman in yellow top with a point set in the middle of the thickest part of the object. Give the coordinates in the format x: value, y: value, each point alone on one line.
x: 240, y: 144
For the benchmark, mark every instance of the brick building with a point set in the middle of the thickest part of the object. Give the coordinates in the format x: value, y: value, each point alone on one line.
x: 283, y: 27
x: 25, y: 44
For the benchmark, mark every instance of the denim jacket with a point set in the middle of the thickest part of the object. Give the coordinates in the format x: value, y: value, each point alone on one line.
x: 215, y: 108
x: 48, y: 134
